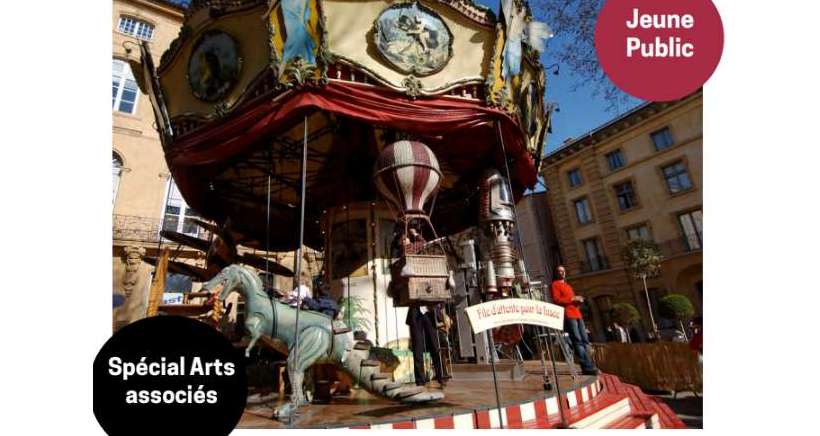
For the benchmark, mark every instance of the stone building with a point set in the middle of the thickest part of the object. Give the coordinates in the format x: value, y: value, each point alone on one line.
x: 142, y: 187
x: 538, y: 239
x: 637, y: 176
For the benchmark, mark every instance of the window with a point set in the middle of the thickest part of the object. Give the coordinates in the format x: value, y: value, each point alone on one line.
x: 662, y: 139
x: 124, y: 87
x: 178, y: 217
x: 638, y: 232
x: 677, y: 179
x: 594, y: 259
x: 574, y: 177
x: 116, y: 168
x: 615, y: 160
x: 136, y: 28
x: 625, y: 195
x: 177, y: 284
x: 691, y: 224
x: 582, y: 211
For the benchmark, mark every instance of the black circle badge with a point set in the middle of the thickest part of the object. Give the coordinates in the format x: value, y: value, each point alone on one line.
x: 169, y: 375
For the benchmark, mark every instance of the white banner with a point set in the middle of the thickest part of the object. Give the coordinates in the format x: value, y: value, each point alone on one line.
x: 172, y: 298
x: 508, y: 311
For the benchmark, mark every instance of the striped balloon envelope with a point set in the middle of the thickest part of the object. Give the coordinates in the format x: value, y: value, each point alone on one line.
x: 407, y: 174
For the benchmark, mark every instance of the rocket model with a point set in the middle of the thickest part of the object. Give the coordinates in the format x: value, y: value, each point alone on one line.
x: 497, y: 223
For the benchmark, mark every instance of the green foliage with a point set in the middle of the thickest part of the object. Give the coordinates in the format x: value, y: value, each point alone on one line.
x: 643, y: 257
x: 624, y: 314
x: 359, y: 317
x: 676, y: 306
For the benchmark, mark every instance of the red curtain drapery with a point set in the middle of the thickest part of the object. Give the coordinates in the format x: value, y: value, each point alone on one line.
x: 449, y: 118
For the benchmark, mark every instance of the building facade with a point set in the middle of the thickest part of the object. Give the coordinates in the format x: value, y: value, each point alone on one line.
x: 638, y: 176
x: 142, y: 186
x: 538, y: 240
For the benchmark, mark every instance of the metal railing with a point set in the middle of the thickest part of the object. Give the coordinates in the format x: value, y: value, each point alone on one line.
x: 669, y: 248
x: 135, y: 228
x: 680, y: 245
x: 143, y: 229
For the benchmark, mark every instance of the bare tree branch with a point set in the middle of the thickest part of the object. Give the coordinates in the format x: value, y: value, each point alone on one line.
x: 573, y: 22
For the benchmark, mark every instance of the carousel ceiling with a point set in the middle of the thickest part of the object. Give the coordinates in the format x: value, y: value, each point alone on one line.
x: 248, y: 82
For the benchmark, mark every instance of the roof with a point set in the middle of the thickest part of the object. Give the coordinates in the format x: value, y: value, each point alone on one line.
x: 167, y: 5
x: 611, y: 127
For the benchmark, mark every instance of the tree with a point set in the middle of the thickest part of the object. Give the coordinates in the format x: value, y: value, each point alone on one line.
x: 624, y: 314
x: 644, y: 259
x: 678, y: 308
x: 573, y: 46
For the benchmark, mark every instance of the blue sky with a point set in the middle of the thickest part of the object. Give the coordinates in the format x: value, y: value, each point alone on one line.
x: 580, y: 112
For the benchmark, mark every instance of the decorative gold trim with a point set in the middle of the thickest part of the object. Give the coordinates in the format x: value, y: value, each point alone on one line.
x: 477, y: 80
x: 474, y: 12
x: 497, y: 89
x: 298, y: 72
x: 220, y: 8
x: 412, y: 86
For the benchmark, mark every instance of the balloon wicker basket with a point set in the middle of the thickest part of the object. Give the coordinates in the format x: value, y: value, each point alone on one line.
x: 420, y: 278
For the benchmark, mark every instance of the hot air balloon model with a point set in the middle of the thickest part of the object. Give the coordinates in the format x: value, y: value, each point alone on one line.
x: 407, y: 175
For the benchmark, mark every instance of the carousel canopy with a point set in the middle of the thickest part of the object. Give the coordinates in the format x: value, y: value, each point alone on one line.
x: 248, y: 83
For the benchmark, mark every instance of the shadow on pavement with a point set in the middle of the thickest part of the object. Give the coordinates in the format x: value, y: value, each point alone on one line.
x: 688, y: 407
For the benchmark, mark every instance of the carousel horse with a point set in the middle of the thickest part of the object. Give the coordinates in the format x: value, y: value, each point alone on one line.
x: 321, y: 340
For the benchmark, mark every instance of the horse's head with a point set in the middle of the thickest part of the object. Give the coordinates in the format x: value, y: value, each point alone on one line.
x: 221, y: 285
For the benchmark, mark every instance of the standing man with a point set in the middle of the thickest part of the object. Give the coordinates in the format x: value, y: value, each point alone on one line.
x: 696, y: 343
x: 424, y: 337
x: 563, y: 295
x: 621, y: 335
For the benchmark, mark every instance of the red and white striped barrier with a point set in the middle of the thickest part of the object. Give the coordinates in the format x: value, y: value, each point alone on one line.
x: 542, y: 410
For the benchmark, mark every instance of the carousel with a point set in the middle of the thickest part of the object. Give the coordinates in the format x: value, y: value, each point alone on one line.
x: 338, y: 126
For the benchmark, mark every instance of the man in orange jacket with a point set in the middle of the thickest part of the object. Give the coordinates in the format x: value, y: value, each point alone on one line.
x: 563, y: 295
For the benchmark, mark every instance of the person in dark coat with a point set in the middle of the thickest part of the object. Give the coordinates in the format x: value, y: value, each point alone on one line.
x: 423, y: 337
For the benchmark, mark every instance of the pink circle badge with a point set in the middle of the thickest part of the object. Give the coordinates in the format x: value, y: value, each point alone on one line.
x: 659, y: 50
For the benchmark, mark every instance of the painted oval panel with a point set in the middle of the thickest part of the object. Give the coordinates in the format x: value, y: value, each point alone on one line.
x: 413, y: 39
x: 214, y: 65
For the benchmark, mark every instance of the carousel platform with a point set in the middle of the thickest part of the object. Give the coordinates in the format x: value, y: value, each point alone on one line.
x: 588, y: 402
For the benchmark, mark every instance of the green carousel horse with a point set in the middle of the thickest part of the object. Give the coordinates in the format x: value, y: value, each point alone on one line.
x: 319, y: 341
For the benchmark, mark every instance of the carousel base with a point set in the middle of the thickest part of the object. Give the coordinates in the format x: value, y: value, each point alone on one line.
x: 588, y: 402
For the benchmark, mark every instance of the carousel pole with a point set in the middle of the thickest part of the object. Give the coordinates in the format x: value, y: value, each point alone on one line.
x: 540, y: 330
x: 268, y: 281
x: 521, y: 248
x: 495, y: 377
x: 561, y: 411
x: 491, y: 344
x: 298, y: 254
